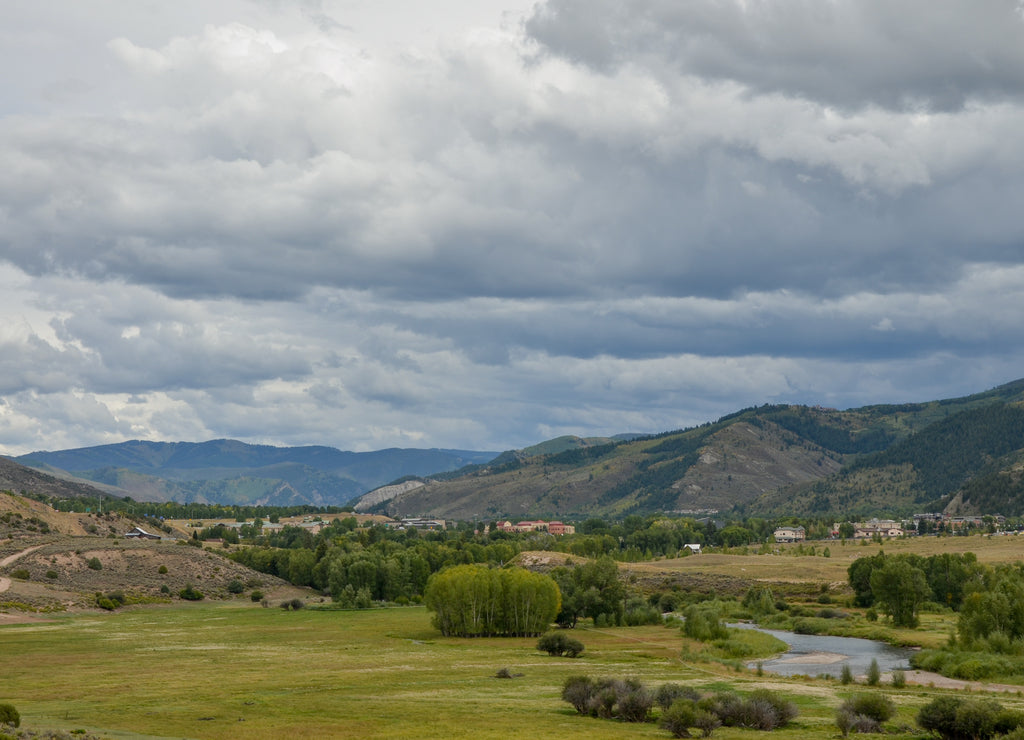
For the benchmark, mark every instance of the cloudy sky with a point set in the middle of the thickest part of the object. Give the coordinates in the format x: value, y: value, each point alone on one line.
x: 484, y: 223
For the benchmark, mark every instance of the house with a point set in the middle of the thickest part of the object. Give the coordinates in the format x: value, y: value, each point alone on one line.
x: 138, y: 533
x: 877, y: 527
x: 694, y: 548
x: 790, y: 534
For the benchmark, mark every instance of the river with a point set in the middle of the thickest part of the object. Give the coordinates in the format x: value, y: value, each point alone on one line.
x: 813, y: 655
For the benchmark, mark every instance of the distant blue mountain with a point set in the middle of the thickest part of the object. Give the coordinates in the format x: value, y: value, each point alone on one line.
x: 229, y: 471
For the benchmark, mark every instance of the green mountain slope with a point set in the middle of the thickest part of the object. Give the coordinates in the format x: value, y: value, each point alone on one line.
x: 768, y: 460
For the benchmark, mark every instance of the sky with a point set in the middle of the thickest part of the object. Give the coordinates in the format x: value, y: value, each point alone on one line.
x: 480, y: 224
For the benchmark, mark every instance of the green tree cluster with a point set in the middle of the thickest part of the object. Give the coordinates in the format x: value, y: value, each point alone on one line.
x: 591, y: 590
x: 477, y: 601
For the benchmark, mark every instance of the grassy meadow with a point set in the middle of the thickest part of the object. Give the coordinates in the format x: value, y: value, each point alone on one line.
x: 229, y: 670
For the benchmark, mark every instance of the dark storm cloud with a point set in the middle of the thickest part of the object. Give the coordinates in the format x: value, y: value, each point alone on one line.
x: 935, y: 55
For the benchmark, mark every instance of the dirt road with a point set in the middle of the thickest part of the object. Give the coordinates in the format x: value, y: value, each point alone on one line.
x: 5, y: 583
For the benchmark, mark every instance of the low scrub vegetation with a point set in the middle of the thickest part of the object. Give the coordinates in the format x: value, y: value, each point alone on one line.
x: 681, y: 710
x: 956, y: 718
x: 864, y: 713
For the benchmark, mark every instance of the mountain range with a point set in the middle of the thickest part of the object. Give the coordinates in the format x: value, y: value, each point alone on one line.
x: 963, y: 455
x: 230, y: 472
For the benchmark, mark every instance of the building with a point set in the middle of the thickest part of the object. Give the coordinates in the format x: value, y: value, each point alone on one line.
x: 790, y: 534
x: 138, y: 533
x: 877, y: 528
x: 555, y: 528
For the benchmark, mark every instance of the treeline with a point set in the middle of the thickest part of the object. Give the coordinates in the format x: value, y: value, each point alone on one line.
x: 901, y: 584
x: 174, y: 510
x: 360, y: 566
x: 367, y: 564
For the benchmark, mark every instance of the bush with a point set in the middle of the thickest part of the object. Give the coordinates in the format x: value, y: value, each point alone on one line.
x: 236, y: 587
x: 256, y: 596
x: 52, y: 575
x: 848, y: 721
x: 954, y: 718
x: 846, y: 675
x: 94, y: 564
x: 559, y: 643
x: 667, y: 694
x: 762, y: 710
x: 878, y: 707
x: 162, y: 570
x: 189, y: 593
x: 9, y: 715
x: 679, y: 717
x: 577, y: 690
x: 704, y: 622
x: 899, y: 679
x: 21, y: 574
x: 874, y: 674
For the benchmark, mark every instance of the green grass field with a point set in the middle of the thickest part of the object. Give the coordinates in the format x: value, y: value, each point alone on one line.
x: 232, y: 671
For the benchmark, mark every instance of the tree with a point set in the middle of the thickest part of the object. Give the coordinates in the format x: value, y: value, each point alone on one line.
x: 473, y: 600
x: 590, y: 590
x: 900, y: 589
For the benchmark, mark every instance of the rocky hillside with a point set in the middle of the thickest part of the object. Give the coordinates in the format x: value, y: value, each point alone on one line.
x: 52, y: 561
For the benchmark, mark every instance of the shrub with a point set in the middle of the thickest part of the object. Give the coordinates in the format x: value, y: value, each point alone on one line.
x: 162, y: 570
x: 577, y: 690
x: 846, y: 675
x: 256, y: 596
x: 189, y: 593
x: 679, y: 717
x: 559, y: 643
x: 848, y: 721
x: 165, y: 589
x: 236, y: 587
x: 297, y: 604
x: 667, y: 694
x: 21, y: 574
x: 52, y: 574
x: 954, y: 718
x: 704, y: 622
x: 899, y: 679
x: 762, y: 710
x: 9, y: 715
x: 94, y: 564
x: 878, y: 707
x: 874, y: 674
x: 634, y: 704
x: 706, y: 722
